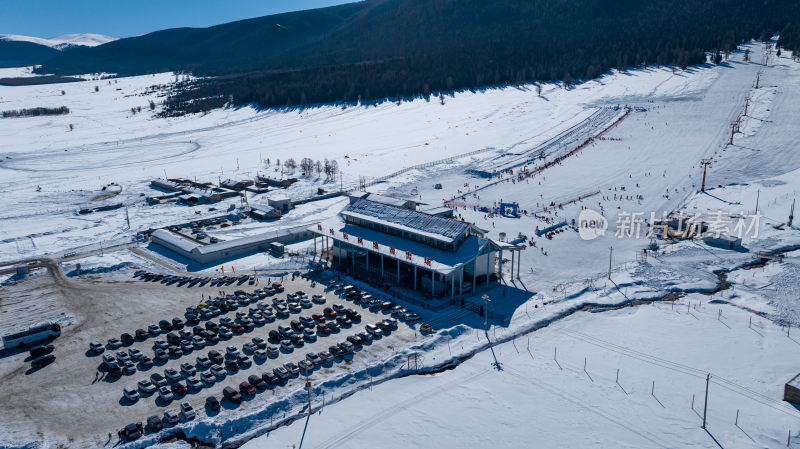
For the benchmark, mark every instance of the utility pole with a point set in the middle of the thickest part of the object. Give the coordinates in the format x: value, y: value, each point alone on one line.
x: 733, y: 129
x: 127, y: 217
x: 705, y: 403
x: 308, y: 388
x: 705, y: 163
x: 486, y: 301
x: 758, y: 78
x: 746, y: 104
x: 791, y: 213
x: 610, y: 252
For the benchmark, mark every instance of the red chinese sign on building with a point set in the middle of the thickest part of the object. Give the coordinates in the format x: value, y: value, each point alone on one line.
x: 360, y: 241
x: 332, y: 233
x: 428, y: 261
x: 375, y: 245
x: 408, y: 255
x: 344, y: 235
x: 391, y: 249
x: 319, y: 227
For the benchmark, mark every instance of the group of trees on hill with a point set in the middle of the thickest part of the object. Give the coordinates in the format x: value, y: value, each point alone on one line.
x: 515, y: 42
x: 379, y: 49
x: 35, y: 112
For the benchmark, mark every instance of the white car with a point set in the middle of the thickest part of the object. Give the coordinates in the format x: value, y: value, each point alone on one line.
x: 97, y: 347
x: 172, y: 374
x: 232, y: 350
x: 287, y: 345
x: 319, y: 299
x: 326, y: 356
x: 194, y: 383
x: 146, y: 386
x: 272, y: 350
x: 208, y: 378
x: 172, y: 417
x: 165, y: 394
x: 187, y: 410
x: 131, y: 393
x: 305, y: 303
x: 260, y: 354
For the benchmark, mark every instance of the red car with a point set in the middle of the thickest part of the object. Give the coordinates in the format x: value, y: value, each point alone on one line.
x: 321, y: 328
x: 178, y: 388
x: 330, y: 313
x: 318, y: 318
x: 246, y: 388
x: 237, y: 328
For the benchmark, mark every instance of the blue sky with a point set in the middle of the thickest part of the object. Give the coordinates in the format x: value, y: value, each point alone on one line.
x: 124, y: 18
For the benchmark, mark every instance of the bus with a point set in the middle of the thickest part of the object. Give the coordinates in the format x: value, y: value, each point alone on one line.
x: 32, y: 334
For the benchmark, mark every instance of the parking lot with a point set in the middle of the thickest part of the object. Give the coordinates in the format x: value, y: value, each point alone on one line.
x: 80, y: 380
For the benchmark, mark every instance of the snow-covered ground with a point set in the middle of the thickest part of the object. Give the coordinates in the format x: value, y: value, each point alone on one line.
x: 534, y: 391
x: 648, y: 163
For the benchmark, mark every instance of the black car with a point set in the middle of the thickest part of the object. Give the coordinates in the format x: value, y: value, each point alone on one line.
x: 270, y: 378
x: 160, y: 354
x: 211, y: 339
x: 275, y: 335
x: 173, y: 338
x: 335, y: 350
x: 131, y: 432
x: 43, y: 360
x: 212, y: 326
x: 198, y: 330
x: 42, y: 350
x: 175, y: 351
x: 232, y: 365
x: 192, y: 318
x: 141, y: 334
x: 257, y: 381
x: 232, y: 395
x: 177, y: 323
x: 215, y: 357
x: 146, y: 362
x: 154, y: 423
x: 355, y: 340
x: 212, y: 403
x: 126, y: 339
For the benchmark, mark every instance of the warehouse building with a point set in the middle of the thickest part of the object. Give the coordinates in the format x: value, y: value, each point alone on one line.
x: 208, y: 254
x: 433, y: 255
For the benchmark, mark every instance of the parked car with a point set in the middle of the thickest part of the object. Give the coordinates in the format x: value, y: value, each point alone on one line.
x: 218, y: 371
x: 172, y: 417
x: 126, y: 339
x: 146, y: 386
x: 213, y: 403
x: 96, y: 347
x: 178, y: 389
x: 232, y: 395
x: 154, y: 423
x: 131, y: 432
x: 43, y: 360
x: 215, y: 357
x: 374, y: 330
x: 165, y: 394
x: 194, y: 383
x: 158, y: 380
x: 187, y: 411
x: 131, y: 393
x: 172, y: 374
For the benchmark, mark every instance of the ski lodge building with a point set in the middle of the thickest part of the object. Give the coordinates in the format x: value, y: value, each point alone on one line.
x: 436, y: 256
